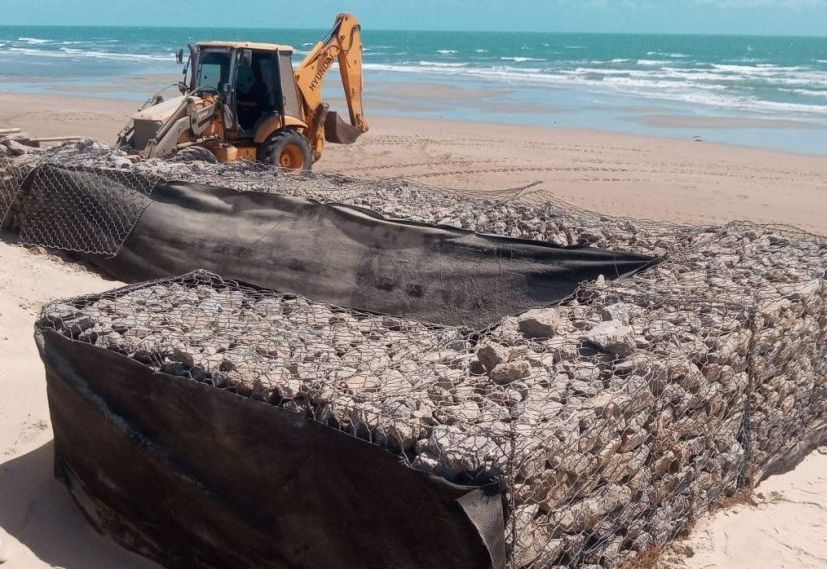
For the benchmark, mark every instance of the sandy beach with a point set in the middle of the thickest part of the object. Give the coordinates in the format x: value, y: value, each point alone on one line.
x: 680, y: 181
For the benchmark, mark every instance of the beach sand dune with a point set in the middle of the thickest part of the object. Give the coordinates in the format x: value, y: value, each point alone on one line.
x: 671, y: 180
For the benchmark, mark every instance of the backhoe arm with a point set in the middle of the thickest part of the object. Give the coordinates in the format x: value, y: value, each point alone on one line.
x: 343, y: 44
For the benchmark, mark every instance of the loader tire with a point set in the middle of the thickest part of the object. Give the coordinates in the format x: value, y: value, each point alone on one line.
x: 195, y: 153
x: 288, y: 151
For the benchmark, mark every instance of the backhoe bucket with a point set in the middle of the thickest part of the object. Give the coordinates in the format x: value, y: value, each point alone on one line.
x: 338, y: 131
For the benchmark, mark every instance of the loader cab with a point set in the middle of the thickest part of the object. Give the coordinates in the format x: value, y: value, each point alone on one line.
x: 256, y: 83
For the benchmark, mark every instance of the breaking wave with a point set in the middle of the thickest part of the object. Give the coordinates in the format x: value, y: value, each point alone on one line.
x: 723, y: 86
x: 775, y: 76
x: 68, y: 52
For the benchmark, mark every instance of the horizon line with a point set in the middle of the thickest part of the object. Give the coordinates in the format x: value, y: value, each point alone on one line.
x: 559, y: 32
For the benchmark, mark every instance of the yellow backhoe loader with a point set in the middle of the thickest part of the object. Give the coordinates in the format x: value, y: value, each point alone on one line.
x: 244, y: 101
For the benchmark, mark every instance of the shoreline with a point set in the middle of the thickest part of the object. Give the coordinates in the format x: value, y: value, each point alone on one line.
x: 47, y: 103
x: 479, y: 102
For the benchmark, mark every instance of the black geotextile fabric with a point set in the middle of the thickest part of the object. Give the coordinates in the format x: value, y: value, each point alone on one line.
x: 197, y: 477
x: 353, y: 257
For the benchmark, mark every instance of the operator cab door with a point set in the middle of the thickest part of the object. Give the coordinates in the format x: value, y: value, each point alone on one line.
x: 216, y: 73
x: 258, y: 92
x: 291, y: 105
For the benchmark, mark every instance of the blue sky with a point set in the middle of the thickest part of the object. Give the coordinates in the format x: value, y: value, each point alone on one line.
x: 779, y: 17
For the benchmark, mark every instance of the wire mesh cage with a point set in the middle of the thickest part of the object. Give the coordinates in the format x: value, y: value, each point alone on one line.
x: 11, y: 179
x: 553, y: 221
x: 611, y: 421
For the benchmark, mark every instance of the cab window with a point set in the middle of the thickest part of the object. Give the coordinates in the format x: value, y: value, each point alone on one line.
x: 213, y: 69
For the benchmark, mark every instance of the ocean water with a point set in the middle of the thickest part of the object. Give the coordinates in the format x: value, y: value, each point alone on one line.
x: 757, y: 91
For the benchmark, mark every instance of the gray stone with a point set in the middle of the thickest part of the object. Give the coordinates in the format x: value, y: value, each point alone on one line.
x: 362, y: 383
x: 458, y: 452
x: 290, y: 389
x: 463, y: 413
x: 584, y: 388
x: 618, y: 312
x: 540, y: 323
x: 491, y: 354
x: 122, y: 325
x: 608, y: 404
x: 586, y: 372
x: 75, y: 326
x: 506, y: 373
x: 642, y: 542
x: 612, y: 337
x: 425, y: 463
x: 59, y: 312
x: 582, y: 516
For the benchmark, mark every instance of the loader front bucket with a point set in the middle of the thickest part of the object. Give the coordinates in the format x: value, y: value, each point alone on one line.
x: 338, y: 131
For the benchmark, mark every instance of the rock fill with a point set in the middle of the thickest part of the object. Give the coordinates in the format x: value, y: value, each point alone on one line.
x: 613, y: 420
x: 554, y: 222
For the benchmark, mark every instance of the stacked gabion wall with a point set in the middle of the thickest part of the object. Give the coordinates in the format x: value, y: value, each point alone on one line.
x: 612, y: 421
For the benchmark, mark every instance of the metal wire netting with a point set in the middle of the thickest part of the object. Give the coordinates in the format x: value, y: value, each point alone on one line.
x: 553, y: 221
x: 612, y: 421
x: 10, y: 182
x: 74, y: 208
x: 89, y: 211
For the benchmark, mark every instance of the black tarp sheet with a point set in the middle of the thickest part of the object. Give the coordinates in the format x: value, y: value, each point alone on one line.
x: 199, y: 478
x: 331, y: 253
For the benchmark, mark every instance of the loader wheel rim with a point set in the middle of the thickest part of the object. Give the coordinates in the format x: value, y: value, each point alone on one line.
x: 291, y: 157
